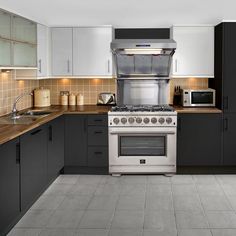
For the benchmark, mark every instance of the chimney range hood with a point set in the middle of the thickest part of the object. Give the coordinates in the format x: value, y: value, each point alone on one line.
x: 141, y: 58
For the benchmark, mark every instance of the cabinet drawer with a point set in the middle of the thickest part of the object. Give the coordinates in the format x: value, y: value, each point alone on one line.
x: 97, y: 120
x: 97, y: 156
x: 97, y: 135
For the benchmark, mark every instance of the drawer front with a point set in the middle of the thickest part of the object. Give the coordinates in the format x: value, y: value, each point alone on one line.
x: 101, y: 120
x: 97, y: 156
x: 97, y: 135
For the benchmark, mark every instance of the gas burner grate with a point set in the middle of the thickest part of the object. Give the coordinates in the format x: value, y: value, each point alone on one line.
x: 147, y: 108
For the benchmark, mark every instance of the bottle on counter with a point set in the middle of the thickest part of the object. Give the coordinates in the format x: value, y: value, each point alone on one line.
x: 80, y: 99
x: 64, y: 99
x: 72, y: 99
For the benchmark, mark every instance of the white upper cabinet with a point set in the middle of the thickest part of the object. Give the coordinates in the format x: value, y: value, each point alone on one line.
x: 194, y: 56
x: 61, y: 48
x: 42, y: 50
x: 91, y: 51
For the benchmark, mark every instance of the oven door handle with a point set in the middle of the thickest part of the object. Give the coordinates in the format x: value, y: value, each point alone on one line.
x: 140, y: 132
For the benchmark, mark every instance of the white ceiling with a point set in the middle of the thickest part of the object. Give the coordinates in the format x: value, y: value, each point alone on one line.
x: 123, y: 13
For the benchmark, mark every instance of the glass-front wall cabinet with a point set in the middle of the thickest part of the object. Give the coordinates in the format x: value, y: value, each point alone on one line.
x: 5, y: 25
x: 5, y: 52
x: 18, y: 41
x: 23, y: 30
x: 24, y: 54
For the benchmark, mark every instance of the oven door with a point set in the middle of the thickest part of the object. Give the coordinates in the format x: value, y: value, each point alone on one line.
x: 142, y: 146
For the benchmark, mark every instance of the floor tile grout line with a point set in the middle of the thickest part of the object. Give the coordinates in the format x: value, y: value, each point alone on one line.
x: 93, y: 195
x: 174, y: 210
x: 226, y: 196
x: 204, y: 212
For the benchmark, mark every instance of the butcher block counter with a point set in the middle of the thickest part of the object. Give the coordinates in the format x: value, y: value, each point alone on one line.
x: 11, y: 131
x: 181, y: 109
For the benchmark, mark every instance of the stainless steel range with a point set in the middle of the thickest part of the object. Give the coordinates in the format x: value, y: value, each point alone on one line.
x: 142, y: 139
x: 142, y: 131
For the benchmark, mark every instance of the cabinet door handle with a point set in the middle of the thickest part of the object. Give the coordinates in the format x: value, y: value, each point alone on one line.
x: 85, y: 125
x: 68, y: 66
x: 98, y: 132
x: 97, y: 153
x: 179, y: 124
x: 176, y: 65
x: 226, y: 124
x: 98, y: 120
x: 226, y: 102
x: 108, y: 66
x: 18, y: 153
x: 50, y: 133
x: 40, y: 65
x: 36, y: 131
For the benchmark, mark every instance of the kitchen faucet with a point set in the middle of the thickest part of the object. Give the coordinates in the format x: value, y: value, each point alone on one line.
x: 14, y: 110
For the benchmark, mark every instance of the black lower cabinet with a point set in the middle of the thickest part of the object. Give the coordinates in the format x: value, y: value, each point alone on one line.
x: 55, y: 157
x: 229, y: 144
x: 86, y: 144
x: 33, y: 153
x: 97, y: 156
x: 75, y: 140
x: 199, y: 140
x: 10, y: 184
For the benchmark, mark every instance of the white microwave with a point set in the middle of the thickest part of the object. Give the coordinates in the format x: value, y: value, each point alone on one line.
x: 198, y: 97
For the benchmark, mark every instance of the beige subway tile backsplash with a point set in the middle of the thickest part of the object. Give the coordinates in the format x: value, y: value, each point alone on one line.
x: 187, y: 83
x: 90, y: 88
x: 11, y: 88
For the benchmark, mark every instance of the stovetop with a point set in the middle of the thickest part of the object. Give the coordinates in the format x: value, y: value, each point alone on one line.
x: 138, y: 116
x: 145, y: 108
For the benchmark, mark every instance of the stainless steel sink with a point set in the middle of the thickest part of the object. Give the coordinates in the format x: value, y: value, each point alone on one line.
x: 27, y: 117
x: 20, y: 120
x: 35, y: 113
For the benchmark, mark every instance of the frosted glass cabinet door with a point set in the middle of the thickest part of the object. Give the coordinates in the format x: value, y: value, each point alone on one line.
x: 23, y: 30
x: 5, y: 25
x: 5, y: 51
x: 24, y: 55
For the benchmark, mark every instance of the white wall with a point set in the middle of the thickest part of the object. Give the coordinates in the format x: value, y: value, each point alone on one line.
x: 123, y: 13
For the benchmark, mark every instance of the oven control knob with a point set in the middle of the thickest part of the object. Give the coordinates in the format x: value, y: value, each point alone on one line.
x: 154, y: 120
x: 138, y: 120
x: 168, y: 120
x: 146, y: 120
x: 161, y: 120
x: 116, y: 120
x: 131, y: 120
x: 123, y: 120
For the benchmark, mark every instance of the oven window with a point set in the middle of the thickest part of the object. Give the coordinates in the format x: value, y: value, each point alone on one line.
x: 202, y: 97
x: 142, y: 146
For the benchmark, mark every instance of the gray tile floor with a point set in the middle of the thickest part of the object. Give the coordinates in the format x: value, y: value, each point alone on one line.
x: 88, y: 205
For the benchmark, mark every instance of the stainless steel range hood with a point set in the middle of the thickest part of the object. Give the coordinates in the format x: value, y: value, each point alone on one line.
x: 141, y: 58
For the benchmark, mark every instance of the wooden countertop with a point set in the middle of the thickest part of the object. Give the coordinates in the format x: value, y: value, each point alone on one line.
x: 11, y: 131
x: 181, y: 109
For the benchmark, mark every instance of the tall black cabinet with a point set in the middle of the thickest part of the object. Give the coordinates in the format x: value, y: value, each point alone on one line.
x: 225, y: 84
x: 33, y: 172
x: 10, y: 184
